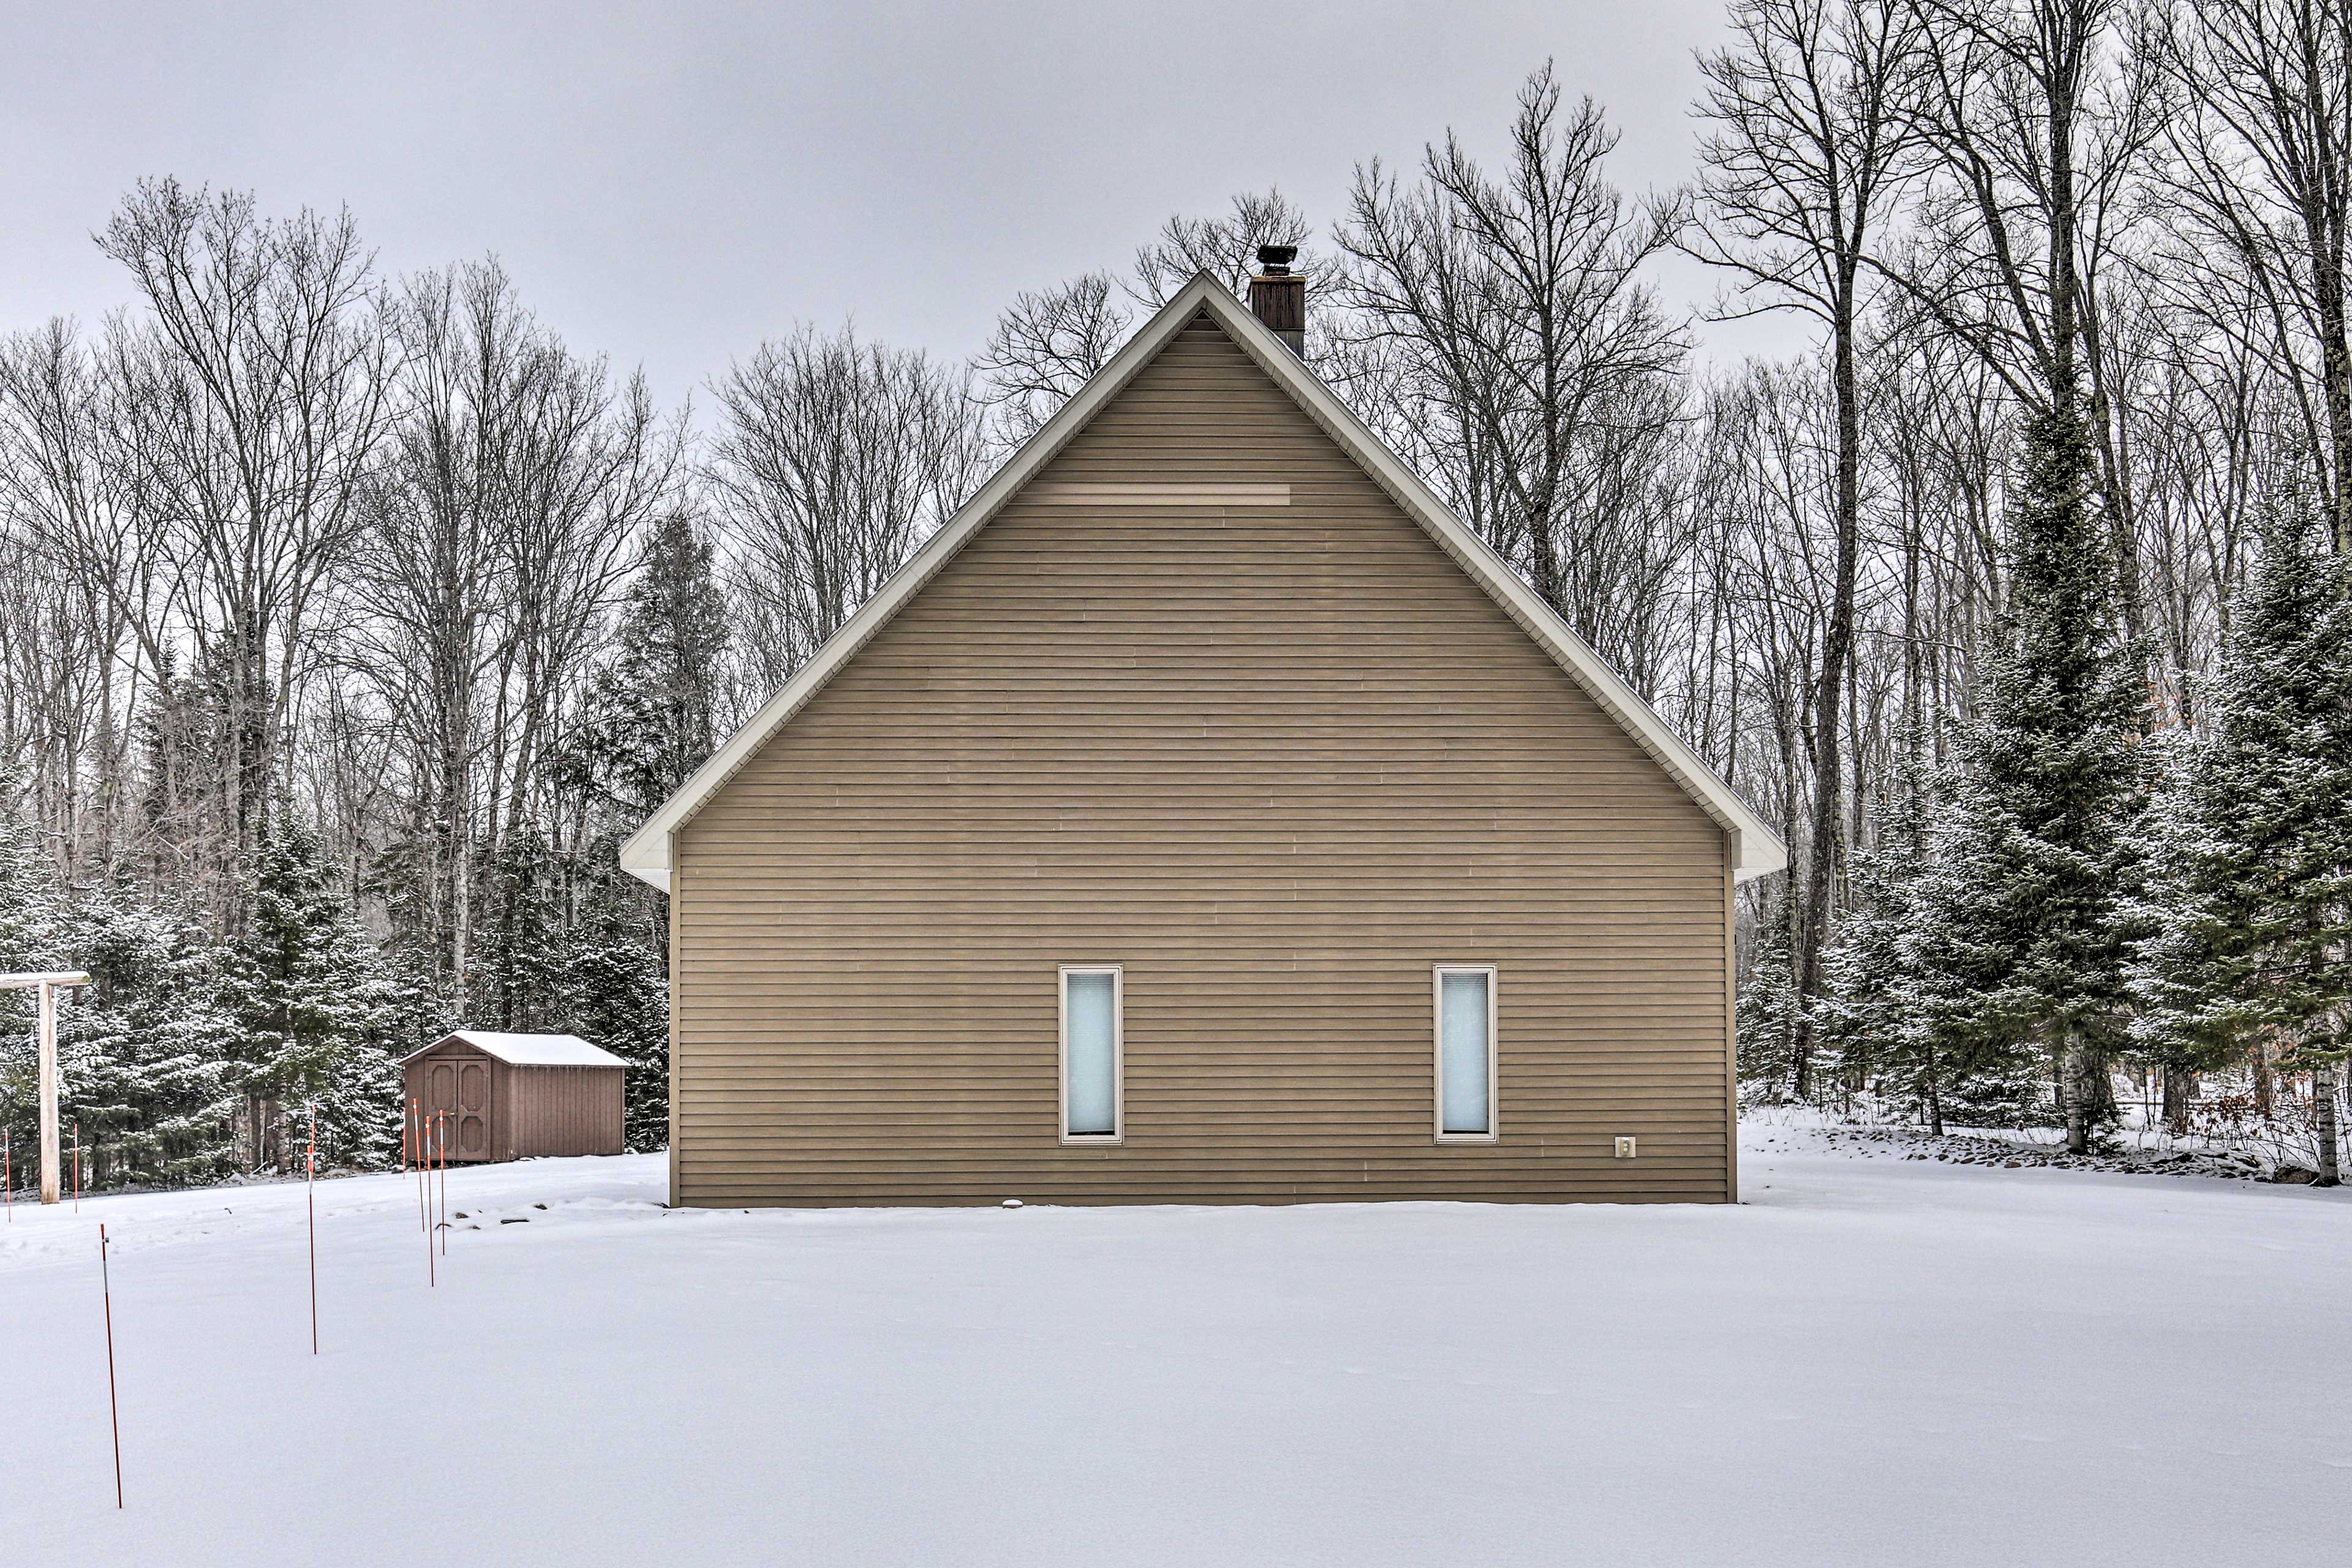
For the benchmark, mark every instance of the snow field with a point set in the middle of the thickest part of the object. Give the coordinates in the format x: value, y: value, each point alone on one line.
x: 1872, y: 1360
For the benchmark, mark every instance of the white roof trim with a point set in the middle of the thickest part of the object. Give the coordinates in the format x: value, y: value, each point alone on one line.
x: 1756, y: 848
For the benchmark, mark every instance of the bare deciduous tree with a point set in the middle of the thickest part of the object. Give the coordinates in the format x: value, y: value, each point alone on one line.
x: 1225, y: 248
x: 2041, y: 115
x: 2257, y: 182
x: 1806, y: 149
x: 1048, y: 344
x: 834, y: 460
x: 1532, y: 374
x: 254, y: 387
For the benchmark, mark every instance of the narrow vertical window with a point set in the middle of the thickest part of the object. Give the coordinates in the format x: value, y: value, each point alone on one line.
x: 1466, y: 1053
x: 1091, y: 1071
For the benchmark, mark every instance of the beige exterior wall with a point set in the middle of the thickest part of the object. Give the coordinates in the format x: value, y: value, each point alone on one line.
x: 1276, y: 761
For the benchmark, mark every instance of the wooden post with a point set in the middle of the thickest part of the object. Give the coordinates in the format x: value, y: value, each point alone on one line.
x: 48, y: 1093
x: 310, y: 1201
x: 46, y: 1034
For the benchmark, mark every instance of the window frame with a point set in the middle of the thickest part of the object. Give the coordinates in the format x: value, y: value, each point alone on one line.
x: 1117, y: 1133
x: 1437, y: 1061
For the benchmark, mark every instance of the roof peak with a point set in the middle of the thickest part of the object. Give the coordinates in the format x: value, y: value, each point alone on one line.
x: 1756, y: 851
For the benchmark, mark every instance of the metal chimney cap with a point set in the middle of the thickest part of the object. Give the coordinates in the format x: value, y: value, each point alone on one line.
x: 1276, y: 259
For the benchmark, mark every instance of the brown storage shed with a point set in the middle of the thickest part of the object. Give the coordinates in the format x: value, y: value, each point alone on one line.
x: 512, y: 1097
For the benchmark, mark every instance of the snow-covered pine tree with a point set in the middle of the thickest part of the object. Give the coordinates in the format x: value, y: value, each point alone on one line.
x: 314, y: 1004
x: 1767, y: 1007
x: 32, y: 905
x: 32, y: 939
x: 2173, y: 928
x: 1873, y: 1019
x: 2024, y: 932
x: 652, y: 713
x: 1988, y: 1072
x: 524, y: 944
x: 616, y: 995
x: 2251, y: 916
x: 651, y: 717
x: 150, y: 1046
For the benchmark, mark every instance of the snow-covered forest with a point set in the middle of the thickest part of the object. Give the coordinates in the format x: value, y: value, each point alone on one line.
x: 350, y: 619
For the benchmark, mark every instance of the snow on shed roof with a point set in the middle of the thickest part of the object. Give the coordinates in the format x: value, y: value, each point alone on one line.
x: 530, y: 1050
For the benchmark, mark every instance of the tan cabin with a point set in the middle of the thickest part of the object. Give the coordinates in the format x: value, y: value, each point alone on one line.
x: 491, y: 1096
x: 1203, y: 814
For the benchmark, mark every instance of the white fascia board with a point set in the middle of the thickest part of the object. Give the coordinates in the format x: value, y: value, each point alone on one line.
x: 1756, y: 849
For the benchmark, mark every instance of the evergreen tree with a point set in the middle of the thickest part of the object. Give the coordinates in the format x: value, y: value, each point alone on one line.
x: 316, y: 1007
x: 653, y: 712
x: 650, y: 719
x: 150, y: 1043
x: 2250, y: 922
x: 517, y: 957
x: 616, y: 995
x: 32, y: 904
x: 32, y: 940
x: 1987, y: 1074
x: 2025, y: 933
x: 2174, y: 931
x: 1873, y: 1018
x: 1769, y: 1005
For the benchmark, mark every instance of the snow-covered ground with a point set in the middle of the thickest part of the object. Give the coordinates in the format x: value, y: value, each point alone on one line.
x: 1881, y: 1362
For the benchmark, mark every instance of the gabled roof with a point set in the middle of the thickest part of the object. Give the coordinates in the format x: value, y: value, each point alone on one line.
x: 1756, y: 848
x: 528, y: 1050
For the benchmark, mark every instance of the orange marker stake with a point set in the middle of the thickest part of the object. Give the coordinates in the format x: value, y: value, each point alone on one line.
x: 442, y: 1135
x: 113, y: 1407
x: 431, y: 1277
x: 416, y: 1114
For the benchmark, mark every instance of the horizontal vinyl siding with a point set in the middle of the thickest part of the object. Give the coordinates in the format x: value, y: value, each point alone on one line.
x: 1274, y: 761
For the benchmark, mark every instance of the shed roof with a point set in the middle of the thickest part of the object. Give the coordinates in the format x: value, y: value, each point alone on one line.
x: 529, y: 1050
x: 1756, y: 848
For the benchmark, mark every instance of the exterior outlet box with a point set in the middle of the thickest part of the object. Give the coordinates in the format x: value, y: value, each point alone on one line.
x: 1625, y: 1148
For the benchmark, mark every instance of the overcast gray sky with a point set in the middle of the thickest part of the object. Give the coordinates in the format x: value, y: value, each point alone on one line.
x: 670, y: 185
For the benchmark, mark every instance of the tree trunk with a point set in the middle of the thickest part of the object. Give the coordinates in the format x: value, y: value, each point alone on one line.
x: 1935, y: 1093
x: 2073, y: 1075
x: 2176, y: 1101
x: 2323, y: 232
x: 2265, y: 1105
x: 2323, y: 1100
x: 1837, y: 641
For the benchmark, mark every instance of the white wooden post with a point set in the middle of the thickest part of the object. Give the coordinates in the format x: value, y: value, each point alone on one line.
x: 46, y: 1033
x: 48, y: 1027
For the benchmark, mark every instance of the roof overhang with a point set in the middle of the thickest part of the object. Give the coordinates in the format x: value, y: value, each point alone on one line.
x: 1756, y: 848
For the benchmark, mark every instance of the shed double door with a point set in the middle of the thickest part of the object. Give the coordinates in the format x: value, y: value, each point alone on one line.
x: 460, y: 1088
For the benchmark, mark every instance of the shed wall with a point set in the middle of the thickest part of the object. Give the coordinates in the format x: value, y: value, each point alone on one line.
x: 556, y: 1110
x: 1277, y: 762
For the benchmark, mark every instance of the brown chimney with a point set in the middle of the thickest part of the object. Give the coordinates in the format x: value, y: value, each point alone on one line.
x: 1279, y: 296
